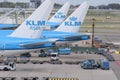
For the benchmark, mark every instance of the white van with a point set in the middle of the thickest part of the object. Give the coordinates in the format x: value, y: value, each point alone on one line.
x: 54, y: 56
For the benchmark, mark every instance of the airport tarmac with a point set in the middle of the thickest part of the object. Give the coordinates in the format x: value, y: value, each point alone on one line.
x: 61, y: 70
x: 105, y: 34
x: 115, y: 66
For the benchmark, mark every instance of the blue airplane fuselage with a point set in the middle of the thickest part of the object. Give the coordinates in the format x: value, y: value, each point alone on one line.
x: 60, y: 36
x: 52, y: 25
x: 10, y: 43
x: 8, y: 26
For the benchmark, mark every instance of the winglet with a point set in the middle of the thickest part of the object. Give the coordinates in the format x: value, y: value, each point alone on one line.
x: 74, y: 21
x: 32, y: 26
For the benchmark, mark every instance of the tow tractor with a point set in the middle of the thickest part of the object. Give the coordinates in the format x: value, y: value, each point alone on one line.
x: 89, y: 64
x: 11, y: 66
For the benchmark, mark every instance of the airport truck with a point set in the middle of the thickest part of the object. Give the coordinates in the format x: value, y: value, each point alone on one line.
x: 23, y: 60
x: 42, y: 53
x: 89, y: 64
x: 54, y: 56
x: 11, y: 66
x: 104, y: 64
x: 64, y: 51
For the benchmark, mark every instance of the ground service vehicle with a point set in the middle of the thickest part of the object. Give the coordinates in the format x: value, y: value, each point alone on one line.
x: 64, y: 51
x: 104, y: 64
x: 54, y: 56
x: 10, y: 66
x: 89, y: 64
x: 42, y: 55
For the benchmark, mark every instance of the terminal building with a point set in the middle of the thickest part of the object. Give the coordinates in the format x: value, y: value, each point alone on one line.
x: 32, y: 3
x: 35, y: 3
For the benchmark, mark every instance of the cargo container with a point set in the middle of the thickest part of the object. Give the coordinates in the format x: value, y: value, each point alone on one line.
x: 64, y: 51
x: 104, y: 64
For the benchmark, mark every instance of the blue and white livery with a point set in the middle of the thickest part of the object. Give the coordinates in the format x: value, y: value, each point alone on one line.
x: 30, y: 33
x: 26, y: 37
x: 52, y: 23
x: 68, y: 30
x: 59, y: 16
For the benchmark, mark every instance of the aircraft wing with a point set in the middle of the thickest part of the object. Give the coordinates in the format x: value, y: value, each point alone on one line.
x: 34, y: 44
x: 78, y: 37
x: 49, y: 41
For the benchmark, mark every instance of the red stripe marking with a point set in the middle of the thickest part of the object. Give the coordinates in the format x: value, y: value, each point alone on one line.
x: 117, y: 63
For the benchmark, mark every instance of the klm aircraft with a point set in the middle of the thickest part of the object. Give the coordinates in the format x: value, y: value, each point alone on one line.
x: 59, y: 16
x: 53, y: 22
x: 26, y: 37
x: 67, y: 31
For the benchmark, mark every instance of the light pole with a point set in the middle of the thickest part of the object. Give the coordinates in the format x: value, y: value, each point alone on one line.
x: 93, y: 26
